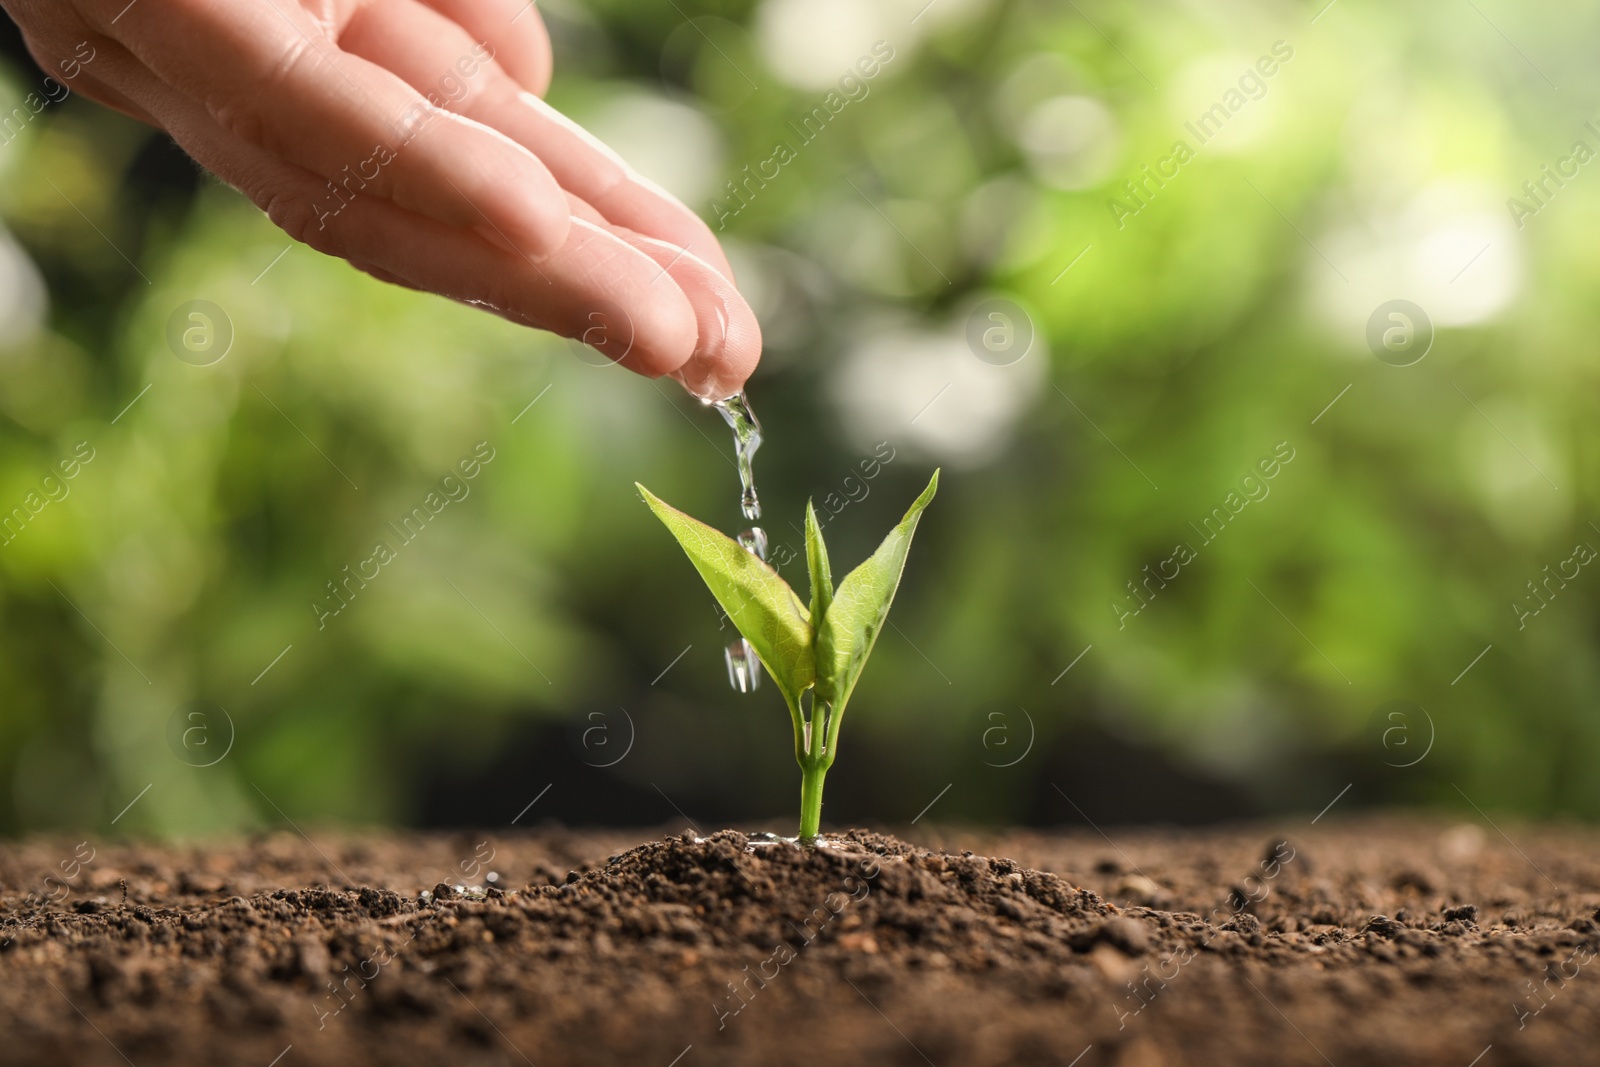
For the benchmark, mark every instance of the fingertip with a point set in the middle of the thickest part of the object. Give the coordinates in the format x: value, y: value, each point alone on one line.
x: 728, y: 345
x: 720, y: 367
x: 742, y: 351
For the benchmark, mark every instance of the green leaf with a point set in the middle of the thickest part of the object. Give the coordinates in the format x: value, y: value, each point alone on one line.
x: 850, y: 627
x: 817, y: 565
x: 760, y: 603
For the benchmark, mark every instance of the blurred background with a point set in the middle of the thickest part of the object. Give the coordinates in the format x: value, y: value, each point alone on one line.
x: 1224, y: 530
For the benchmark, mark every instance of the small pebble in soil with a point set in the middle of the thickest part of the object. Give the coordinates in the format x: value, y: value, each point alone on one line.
x: 1384, y: 926
x: 1410, y: 878
x: 1128, y: 935
x: 1462, y: 842
x: 1465, y: 913
x: 1139, y: 889
x: 1243, y: 923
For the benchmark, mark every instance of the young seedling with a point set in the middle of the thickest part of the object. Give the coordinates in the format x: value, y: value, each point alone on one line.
x: 819, y: 649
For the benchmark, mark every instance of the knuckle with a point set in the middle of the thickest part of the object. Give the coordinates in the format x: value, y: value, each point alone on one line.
x: 294, y: 212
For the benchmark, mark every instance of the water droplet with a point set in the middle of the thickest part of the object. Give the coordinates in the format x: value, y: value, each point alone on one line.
x: 492, y: 876
x: 744, y: 669
x: 761, y: 839
x: 754, y: 541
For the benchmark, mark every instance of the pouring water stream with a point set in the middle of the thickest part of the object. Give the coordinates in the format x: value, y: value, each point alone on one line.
x: 744, y: 669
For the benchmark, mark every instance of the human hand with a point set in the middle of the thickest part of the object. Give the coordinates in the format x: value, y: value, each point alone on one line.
x: 409, y: 138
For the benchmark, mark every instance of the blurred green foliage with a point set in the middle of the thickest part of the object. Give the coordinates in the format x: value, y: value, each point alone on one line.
x: 1177, y: 345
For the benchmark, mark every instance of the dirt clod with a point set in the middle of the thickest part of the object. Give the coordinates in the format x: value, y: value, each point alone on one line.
x: 1384, y: 926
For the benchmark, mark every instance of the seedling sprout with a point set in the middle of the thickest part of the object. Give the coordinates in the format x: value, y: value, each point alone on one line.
x: 817, y: 649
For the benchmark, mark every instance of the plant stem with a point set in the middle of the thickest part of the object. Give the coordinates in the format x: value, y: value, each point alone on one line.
x: 811, y: 775
x: 813, y: 750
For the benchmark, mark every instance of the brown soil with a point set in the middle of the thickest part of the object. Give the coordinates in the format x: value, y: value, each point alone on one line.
x: 1367, y: 942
